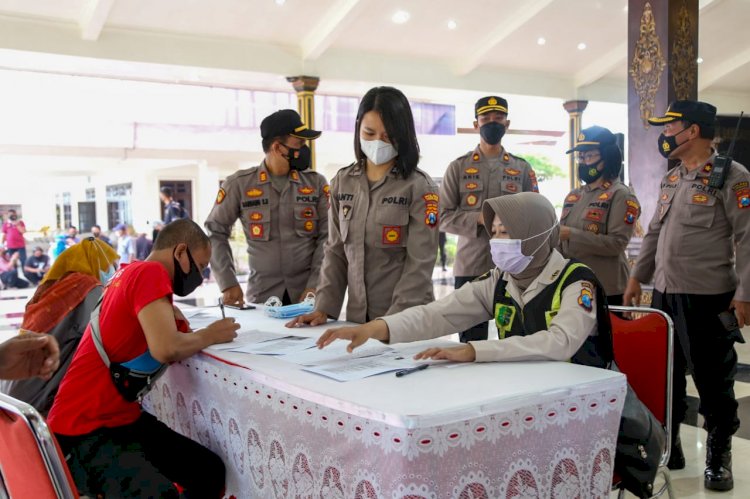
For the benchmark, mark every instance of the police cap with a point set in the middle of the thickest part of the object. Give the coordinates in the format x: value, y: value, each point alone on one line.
x: 491, y: 103
x: 286, y: 122
x: 594, y: 137
x: 693, y: 111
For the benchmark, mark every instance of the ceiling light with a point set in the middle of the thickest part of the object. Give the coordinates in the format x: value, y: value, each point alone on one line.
x: 625, y: 9
x: 541, y: 40
x: 280, y: 2
x: 452, y: 24
x: 400, y: 17
x: 581, y: 46
x: 699, y: 60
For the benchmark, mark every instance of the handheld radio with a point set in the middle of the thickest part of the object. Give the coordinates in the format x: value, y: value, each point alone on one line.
x: 723, y: 162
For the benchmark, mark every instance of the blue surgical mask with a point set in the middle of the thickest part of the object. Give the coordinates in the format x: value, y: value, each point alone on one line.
x: 105, y: 276
x: 289, y: 311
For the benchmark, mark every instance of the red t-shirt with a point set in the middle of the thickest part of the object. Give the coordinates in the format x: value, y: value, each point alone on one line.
x: 13, y: 237
x: 87, y: 398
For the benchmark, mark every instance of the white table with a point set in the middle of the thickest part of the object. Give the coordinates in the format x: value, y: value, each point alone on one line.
x: 531, y: 429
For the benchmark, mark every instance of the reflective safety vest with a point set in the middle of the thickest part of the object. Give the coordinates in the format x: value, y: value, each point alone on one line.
x: 513, y: 320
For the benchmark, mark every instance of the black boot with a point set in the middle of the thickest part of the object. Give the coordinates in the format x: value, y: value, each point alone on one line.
x: 676, y: 456
x: 718, y: 473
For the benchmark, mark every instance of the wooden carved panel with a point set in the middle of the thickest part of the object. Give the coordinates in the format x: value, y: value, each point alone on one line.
x: 683, y: 58
x: 648, y: 65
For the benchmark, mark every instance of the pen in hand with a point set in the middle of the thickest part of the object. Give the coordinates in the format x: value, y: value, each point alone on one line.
x: 404, y: 372
x: 221, y: 306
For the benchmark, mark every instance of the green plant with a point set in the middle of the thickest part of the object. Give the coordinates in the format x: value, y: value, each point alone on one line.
x: 544, y: 167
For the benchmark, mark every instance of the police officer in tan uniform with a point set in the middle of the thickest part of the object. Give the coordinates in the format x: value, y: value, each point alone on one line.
x: 486, y: 172
x: 698, y: 251
x: 546, y: 308
x: 383, y: 219
x: 598, y: 219
x: 283, y: 208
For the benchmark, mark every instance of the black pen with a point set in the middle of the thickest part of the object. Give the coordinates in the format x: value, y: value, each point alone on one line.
x: 221, y: 306
x: 404, y: 372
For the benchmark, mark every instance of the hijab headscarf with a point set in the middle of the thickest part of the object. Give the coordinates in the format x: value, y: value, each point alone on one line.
x: 66, y: 284
x: 526, y: 215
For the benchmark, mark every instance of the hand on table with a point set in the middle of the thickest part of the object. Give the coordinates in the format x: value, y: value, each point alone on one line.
x: 233, y: 296
x: 463, y: 353
x: 358, y: 335
x: 223, y: 330
x: 314, y: 318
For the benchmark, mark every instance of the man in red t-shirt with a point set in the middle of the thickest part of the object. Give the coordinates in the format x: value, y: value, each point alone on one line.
x: 115, y: 448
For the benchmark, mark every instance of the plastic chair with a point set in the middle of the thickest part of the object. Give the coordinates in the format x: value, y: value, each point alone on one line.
x: 31, y: 463
x: 643, y: 349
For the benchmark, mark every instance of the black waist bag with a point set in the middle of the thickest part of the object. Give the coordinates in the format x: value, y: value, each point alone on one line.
x: 134, y: 378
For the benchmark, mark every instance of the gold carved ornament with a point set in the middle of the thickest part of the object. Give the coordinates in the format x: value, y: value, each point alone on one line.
x: 647, y: 65
x: 683, y: 60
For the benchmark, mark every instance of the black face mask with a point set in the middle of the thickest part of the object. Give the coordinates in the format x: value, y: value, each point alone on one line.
x: 492, y: 132
x: 13, y: 217
x: 589, y: 173
x: 669, y: 144
x: 299, y: 159
x: 185, y: 283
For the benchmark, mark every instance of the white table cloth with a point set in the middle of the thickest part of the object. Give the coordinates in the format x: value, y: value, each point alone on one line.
x: 511, y: 430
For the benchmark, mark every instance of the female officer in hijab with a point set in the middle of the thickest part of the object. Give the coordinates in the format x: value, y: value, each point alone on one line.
x: 598, y: 218
x: 545, y: 306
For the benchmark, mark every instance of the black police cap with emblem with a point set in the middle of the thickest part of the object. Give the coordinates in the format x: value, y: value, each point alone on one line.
x: 692, y: 111
x: 491, y: 103
x: 286, y: 122
x: 594, y: 137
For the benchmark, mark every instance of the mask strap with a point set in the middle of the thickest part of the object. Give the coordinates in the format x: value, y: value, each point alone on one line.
x: 549, y: 234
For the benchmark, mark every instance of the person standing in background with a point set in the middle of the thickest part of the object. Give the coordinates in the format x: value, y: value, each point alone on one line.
x: 486, y: 172
x: 13, y: 236
x: 598, y: 218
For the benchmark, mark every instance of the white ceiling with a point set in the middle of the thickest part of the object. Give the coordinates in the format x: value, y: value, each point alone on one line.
x: 254, y: 43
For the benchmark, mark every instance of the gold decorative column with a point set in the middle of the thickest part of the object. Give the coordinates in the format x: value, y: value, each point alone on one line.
x: 575, y: 110
x: 305, y: 87
x: 662, y: 67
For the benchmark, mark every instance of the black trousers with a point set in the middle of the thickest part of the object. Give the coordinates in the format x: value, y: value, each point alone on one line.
x: 475, y: 333
x: 702, y: 347
x: 144, y: 459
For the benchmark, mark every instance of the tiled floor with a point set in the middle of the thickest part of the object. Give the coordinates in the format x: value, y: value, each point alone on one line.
x: 688, y: 483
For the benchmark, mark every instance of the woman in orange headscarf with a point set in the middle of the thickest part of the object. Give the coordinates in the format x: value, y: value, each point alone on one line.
x: 61, y: 307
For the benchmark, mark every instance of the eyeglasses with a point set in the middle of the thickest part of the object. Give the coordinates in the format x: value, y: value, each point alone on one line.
x: 589, y: 156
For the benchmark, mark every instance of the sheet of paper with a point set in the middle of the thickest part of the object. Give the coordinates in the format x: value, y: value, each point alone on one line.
x: 248, y: 337
x: 353, y: 369
x: 278, y: 347
x: 335, y: 351
x: 202, y: 319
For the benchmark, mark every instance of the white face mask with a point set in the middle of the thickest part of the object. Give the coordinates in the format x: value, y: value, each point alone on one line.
x: 507, y: 254
x: 377, y: 151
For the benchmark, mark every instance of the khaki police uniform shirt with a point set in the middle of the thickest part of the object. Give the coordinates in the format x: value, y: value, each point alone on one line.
x: 285, y: 231
x: 382, y: 244
x: 474, y: 302
x: 468, y: 181
x: 601, y: 222
x: 696, y: 233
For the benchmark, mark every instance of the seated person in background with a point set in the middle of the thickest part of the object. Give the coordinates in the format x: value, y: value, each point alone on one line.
x: 9, y: 271
x: 36, y: 266
x: 115, y: 448
x: 62, y: 307
x: 545, y: 307
x: 29, y: 355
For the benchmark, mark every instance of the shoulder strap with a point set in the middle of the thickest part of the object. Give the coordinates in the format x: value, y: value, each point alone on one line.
x: 96, y: 333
